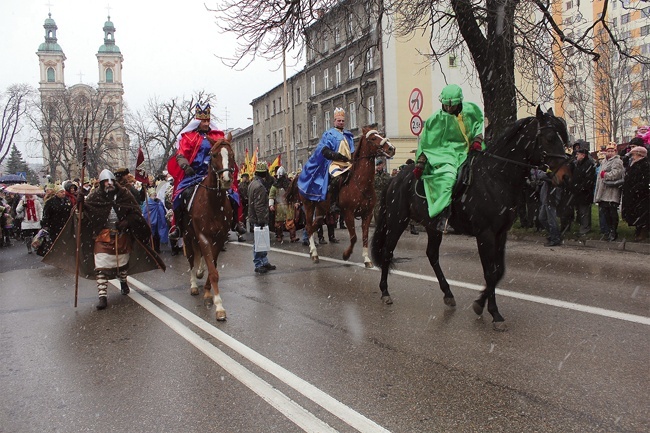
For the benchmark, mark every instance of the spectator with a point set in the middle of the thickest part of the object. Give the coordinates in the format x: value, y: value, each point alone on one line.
x: 71, y: 189
x: 244, y: 183
x: 608, y: 193
x: 56, y: 213
x: 258, y: 212
x: 550, y: 197
x: 154, y: 212
x: 636, y: 193
x: 582, y: 185
x: 32, y: 211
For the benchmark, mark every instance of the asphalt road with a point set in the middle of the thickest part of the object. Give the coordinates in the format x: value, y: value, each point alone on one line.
x: 312, y: 348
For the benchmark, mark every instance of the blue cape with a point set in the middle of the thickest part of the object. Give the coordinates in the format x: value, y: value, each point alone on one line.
x: 314, y: 177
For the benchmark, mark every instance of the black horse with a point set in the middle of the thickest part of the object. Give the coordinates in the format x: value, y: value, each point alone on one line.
x: 484, y: 206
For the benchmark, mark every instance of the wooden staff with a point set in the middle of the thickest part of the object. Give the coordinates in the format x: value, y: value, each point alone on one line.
x: 80, y: 211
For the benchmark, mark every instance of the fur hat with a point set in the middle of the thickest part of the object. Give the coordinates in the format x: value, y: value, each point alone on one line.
x: 639, y: 150
x: 120, y: 172
x: 583, y: 151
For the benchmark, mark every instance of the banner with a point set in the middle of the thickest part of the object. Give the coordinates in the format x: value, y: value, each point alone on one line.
x: 140, y: 173
x: 275, y: 164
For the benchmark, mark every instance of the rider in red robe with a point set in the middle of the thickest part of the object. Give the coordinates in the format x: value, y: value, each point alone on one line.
x: 192, y: 160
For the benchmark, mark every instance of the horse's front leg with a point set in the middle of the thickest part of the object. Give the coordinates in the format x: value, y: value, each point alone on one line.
x: 349, y: 222
x: 212, y: 282
x: 492, y: 251
x: 194, y: 257
x: 433, y: 254
x: 365, y: 228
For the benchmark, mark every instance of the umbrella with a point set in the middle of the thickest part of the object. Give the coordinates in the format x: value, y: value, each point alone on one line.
x: 12, y: 178
x: 23, y: 188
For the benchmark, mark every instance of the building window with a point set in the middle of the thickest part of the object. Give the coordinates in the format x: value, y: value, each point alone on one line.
x: 625, y: 18
x: 281, y: 140
x: 645, y: 30
x: 337, y: 36
x: 353, y: 115
x: 646, y: 12
x: 369, y: 60
x: 569, y: 5
x: 298, y: 96
x: 273, y: 107
x: 109, y: 75
x: 314, y: 133
x: 326, y: 79
x: 327, y: 119
x: 257, y: 116
x: 350, y: 28
x: 337, y: 75
x: 452, y: 61
x: 313, y: 85
x: 299, y: 133
x: 50, y: 75
x: 280, y: 104
x: 266, y: 111
x: 310, y: 53
x: 110, y: 113
x: 268, y: 143
x: 350, y: 67
x: 275, y: 140
x: 326, y: 44
x: 371, y: 110
x: 614, y: 22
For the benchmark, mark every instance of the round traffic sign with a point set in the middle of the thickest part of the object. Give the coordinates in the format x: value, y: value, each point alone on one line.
x: 415, y: 101
x: 416, y: 125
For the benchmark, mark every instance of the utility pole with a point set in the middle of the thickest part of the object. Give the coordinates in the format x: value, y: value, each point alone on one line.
x: 287, y: 136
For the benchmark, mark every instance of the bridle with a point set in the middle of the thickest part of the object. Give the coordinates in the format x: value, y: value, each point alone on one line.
x: 543, y: 165
x: 383, y: 141
x: 218, y: 172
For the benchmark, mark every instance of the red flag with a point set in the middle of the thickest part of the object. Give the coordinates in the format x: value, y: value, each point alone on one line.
x: 140, y: 174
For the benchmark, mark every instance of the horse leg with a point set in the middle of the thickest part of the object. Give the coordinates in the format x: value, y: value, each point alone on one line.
x: 194, y: 258
x: 492, y: 251
x: 349, y: 221
x: 200, y: 270
x: 310, y: 225
x: 433, y: 254
x: 212, y: 282
x: 365, y: 228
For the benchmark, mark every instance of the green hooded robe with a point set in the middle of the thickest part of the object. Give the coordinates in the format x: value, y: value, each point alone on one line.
x: 445, y: 141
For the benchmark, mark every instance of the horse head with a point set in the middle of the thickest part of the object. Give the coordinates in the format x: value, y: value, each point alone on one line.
x: 222, y: 161
x: 551, y: 138
x: 377, y: 144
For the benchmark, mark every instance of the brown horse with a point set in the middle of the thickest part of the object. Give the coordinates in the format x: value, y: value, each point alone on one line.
x: 356, y: 197
x: 209, y: 219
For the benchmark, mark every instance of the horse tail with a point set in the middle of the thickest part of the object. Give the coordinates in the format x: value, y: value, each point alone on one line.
x: 378, y: 240
x: 292, y: 193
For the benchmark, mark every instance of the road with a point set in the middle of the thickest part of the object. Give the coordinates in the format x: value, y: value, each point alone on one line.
x: 312, y: 348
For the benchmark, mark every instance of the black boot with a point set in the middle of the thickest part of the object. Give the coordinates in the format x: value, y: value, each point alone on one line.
x: 175, y: 231
x: 103, y: 303
x: 333, y: 189
x: 124, y: 288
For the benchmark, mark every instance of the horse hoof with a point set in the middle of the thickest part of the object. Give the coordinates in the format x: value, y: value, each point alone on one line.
x: 221, y: 316
x: 450, y: 302
x: 199, y: 274
x: 346, y: 257
x: 478, y: 308
x: 315, y: 259
x: 369, y: 265
x: 194, y: 291
x: 387, y: 300
x: 499, y: 326
x: 208, y: 302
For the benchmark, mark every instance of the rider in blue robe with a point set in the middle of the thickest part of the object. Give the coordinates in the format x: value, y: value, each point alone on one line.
x: 331, y: 158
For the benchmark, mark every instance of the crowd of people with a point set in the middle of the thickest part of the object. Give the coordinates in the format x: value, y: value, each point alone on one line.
x: 615, y: 180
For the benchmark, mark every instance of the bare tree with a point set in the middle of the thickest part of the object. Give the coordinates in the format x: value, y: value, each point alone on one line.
x: 156, y: 128
x: 496, y: 36
x: 14, y: 104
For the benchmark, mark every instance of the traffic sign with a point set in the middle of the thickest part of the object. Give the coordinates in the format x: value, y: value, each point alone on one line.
x: 415, y: 101
x: 416, y: 125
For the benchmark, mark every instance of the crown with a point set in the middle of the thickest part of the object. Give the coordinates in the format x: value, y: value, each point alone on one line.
x: 202, y: 111
x: 339, y: 112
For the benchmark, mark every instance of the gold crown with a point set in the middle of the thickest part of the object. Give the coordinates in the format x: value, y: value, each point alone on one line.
x: 339, y: 112
x: 202, y: 111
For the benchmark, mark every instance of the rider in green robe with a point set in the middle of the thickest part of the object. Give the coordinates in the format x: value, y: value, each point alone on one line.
x: 447, y: 137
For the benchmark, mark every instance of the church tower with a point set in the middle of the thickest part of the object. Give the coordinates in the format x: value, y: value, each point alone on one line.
x: 109, y: 63
x: 109, y: 60
x: 51, y: 60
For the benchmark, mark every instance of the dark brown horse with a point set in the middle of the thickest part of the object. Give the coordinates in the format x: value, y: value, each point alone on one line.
x: 356, y: 197
x: 209, y: 220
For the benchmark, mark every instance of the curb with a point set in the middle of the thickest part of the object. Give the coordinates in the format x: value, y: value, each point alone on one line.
x: 622, y: 245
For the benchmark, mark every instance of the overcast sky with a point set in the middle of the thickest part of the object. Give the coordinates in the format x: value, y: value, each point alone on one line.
x: 168, y: 47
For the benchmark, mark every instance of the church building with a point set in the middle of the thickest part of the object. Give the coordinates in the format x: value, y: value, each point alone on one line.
x: 95, y: 113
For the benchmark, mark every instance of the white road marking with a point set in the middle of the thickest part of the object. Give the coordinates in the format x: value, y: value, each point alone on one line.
x: 501, y: 292
x: 282, y: 403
